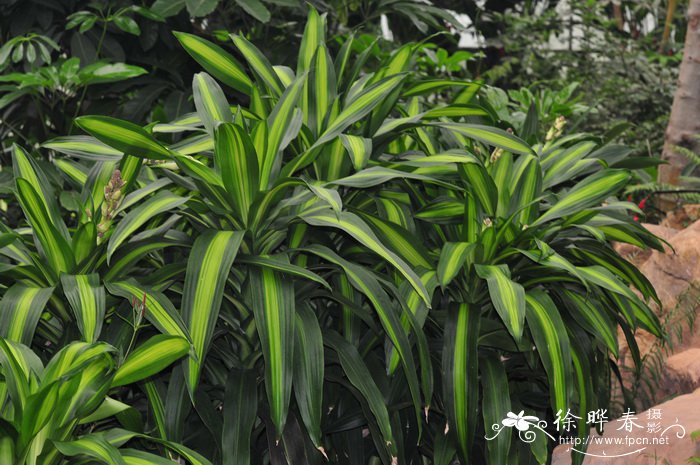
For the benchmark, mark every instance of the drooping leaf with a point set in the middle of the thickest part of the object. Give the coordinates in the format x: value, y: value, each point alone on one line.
x: 240, y: 412
x: 216, y: 61
x: 124, y: 136
x: 150, y: 358
x: 160, y: 202
x: 272, y: 299
x: 507, y: 296
x: 207, y: 269
x: 20, y: 310
x: 87, y: 300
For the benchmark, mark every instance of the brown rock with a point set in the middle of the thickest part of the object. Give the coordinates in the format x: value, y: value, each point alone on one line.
x: 639, y: 256
x: 693, y: 211
x: 683, y: 410
x: 672, y: 273
x: 683, y: 370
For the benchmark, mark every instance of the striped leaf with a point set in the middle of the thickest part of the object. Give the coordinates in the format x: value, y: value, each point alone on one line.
x: 85, y: 147
x: 151, y: 358
x: 489, y: 135
x: 138, y: 457
x: 216, y: 61
x: 314, y: 35
x: 482, y: 186
x: 308, y: 371
x: 240, y: 412
x: 587, y: 193
x: 259, y: 64
x: 460, y: 367
x: 361, y: 378
x: 207, y: 270
x: 18, y: 374
x: 552, y: 342
x: 87, y: 300
x: 124, y: 136
x: 320, y: 89
x: 159, y: 310
x: 496, y: 400
x: 272, y: 299
x: 366, y: 283
x: 356, y: 228
x: 591, y: 318
x: 359, y: 107
x: 210, y: 102
x: 92, y: 446
x: 528, y: 188
x: 281, y: 129
x: 235, y: 157
x: 27, y: 168
x: 282, y: 265
x: 161, y: 202
x: 452, y: 259
x: 198, y: 170
x: 359, y: 149
x: 53, y: 244
x: 20, y: 310
x: 507, y: 297
x: 433, y: 85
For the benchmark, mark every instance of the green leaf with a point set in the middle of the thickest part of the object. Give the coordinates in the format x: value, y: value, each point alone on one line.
x: 507, y: 297
x: 320, y: 90
x: 256, y: 9
x: 207, y: 270
x: 482, y: 186
x: 359, y: 107
x: 489, y: 135
x: 552, y: 344
x: 137, y: 457
x: 235, y: 157
x: 151, y: 358
x: 87, y: 300
x: 27, y: 168
x: 452, y: 259
x: 282, y: 265
x: 197, y: 8
x: 161, y: 202
x: 314, y: 35
x: 102, y: 73
x: 210, y: 101
x: 366, y: 283
x: 272, y: 299
x: 216, y: 61
x: 259, y: 64
x: 240, y: 412
x: 460, y: 367
x: 20, y: 310
x: 123, y: 136
x: 308, y: 372
x: 159, y: 310
x: 85, y: 147
x: 280, y: 123
x: 587, y: 193
x: 360, y: 377
x: 356, y: 228
x: 56, y: 249
x: 359, y: 149
x: 92, y: 446
x: 127, y: 24
x: 496, y: 401
x: 591, y: 318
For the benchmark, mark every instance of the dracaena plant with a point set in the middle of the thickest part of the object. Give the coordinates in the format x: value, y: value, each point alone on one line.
x: 376, y: 271
x: 70, y: 407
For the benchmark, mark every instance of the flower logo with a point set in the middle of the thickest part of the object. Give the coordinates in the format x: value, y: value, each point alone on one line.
x: 521, y: 421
